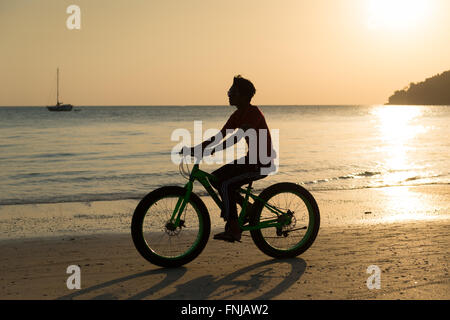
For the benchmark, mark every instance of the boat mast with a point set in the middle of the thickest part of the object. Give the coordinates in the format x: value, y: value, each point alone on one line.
x: 57, y: 86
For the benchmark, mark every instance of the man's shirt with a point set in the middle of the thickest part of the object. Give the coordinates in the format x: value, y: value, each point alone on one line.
x: 252, y: 118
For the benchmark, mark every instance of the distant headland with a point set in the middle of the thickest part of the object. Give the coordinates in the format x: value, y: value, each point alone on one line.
x: 432, y: 91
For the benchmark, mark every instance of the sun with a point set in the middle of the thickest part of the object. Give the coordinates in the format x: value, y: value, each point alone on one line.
x: 397, y: 14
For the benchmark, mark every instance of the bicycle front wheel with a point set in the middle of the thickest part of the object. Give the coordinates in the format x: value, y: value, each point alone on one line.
x: 158, y: 240
x: 300, y: 220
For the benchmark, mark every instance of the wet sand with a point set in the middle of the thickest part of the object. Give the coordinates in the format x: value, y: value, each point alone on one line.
x: 412, y: 256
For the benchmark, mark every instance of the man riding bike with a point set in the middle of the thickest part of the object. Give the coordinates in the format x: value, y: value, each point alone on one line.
x: 250, y: 123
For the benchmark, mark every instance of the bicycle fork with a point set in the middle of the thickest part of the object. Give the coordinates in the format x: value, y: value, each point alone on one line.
x: 175, y: 220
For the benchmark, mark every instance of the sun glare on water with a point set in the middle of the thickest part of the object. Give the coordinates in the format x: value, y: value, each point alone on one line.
x: 398, y: 126
x: 397, y: 14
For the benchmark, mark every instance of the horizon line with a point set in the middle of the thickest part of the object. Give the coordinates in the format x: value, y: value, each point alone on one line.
x: 194, y: 105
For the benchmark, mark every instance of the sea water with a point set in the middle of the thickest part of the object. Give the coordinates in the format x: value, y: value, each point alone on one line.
x: 123, y: 152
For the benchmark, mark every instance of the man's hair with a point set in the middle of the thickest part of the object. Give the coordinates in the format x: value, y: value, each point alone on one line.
x: 245, y: 87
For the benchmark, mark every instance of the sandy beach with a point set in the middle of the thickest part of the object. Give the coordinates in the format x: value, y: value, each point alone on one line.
x: 347, y: 99
x: 412, y: 255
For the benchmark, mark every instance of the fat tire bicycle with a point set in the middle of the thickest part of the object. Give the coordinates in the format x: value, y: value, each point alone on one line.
x: 171, y: 225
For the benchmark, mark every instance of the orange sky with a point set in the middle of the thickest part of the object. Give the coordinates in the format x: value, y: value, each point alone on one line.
x: 176, y: 52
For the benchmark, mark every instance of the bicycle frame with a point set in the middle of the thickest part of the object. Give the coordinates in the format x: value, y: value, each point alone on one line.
x: 204, y: 177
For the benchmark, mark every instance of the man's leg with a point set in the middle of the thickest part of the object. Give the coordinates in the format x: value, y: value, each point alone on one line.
x: 228, y: 171
x: 228, y: 189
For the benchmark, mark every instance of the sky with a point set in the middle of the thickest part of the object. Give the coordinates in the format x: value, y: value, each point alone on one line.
x: 177, y: 52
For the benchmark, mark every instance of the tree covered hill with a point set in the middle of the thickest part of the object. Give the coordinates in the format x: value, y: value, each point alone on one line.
x: 432, y: 91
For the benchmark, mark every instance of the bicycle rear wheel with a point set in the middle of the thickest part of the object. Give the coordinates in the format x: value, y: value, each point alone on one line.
x: 300, y: 210
x: 156, y: 238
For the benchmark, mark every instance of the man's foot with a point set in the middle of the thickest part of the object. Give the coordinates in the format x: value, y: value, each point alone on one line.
x: 227, y: 236
x: 232, y: 232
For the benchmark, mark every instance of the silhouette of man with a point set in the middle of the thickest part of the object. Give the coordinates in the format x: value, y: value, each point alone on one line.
x: 253, y: 166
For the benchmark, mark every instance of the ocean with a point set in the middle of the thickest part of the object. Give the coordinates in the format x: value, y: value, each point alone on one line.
x: 123, y: 152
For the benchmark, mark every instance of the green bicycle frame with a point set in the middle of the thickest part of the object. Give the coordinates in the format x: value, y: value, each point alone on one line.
x: 204, y: 178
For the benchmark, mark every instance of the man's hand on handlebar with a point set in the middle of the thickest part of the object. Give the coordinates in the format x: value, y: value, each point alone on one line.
x: 191, y: 151
x: 186, y: 151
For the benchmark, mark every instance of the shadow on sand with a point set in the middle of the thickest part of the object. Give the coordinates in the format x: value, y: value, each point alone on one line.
x: 263, y: 280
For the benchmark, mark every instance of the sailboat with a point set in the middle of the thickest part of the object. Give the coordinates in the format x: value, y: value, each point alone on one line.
x: 59, y: 105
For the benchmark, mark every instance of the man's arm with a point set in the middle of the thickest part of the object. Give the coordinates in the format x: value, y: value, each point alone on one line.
x: 234, y: 138
x: 210, y: 143
x: 215, y: 140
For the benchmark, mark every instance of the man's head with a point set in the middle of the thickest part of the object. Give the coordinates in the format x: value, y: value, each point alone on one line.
x: 241, y: 92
